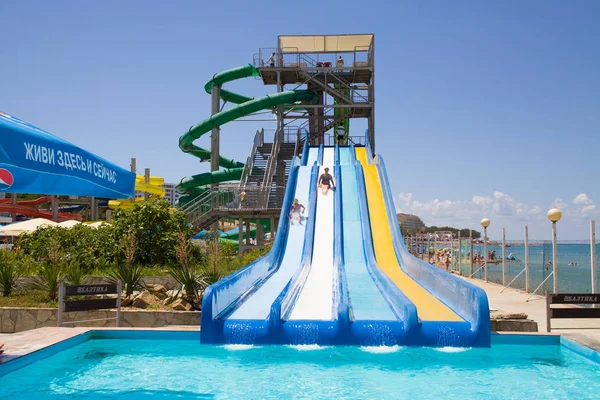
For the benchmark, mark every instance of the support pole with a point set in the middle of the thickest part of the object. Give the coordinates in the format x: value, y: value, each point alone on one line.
x: 147, y: 180
x: 54, y: 209
x: 119, y: 290
x: 470, y: 253
x: 593, y: 256
x: 503, y: 258
x: 240, y: 234
x: 272, y: 228
x: 554, y: 258
x: 94, y: 209
x: 459, y: 263
x: 214, y: 142
x: 247, y: 232
x: 61, y: 300
x: 485, y: 255
x: 260, y: 233
x: 527, y: 279
x: 13, y: 201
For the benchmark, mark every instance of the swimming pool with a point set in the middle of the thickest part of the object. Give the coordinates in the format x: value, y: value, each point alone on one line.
x: 132, y: 365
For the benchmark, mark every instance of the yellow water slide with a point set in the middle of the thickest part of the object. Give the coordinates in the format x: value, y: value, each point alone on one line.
x: 154, y: 188
x: 429, y: 307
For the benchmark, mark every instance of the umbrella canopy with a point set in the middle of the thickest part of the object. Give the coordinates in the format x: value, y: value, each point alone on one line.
x: 26, y: 226
x: 68, y: 224
x: 98, y: 224
x: 35, y: 161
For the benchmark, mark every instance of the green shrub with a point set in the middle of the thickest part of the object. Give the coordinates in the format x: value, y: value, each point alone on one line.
x: 52, y: 271
x: 128, y: 272
x: 9, y: 273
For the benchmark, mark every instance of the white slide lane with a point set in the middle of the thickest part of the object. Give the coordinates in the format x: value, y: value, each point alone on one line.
x: 315, y: 302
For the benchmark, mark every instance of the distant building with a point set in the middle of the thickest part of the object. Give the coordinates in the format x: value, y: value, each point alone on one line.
x: 171, y: 195
x: 410, y: 222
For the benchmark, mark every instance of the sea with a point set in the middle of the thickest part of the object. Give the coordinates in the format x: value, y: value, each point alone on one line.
x: 574, y: 265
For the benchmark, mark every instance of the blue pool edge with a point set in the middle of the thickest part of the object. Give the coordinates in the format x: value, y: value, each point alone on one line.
x: 19, y: 362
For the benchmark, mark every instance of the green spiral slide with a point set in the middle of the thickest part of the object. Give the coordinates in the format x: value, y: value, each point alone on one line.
x: 195, y: 185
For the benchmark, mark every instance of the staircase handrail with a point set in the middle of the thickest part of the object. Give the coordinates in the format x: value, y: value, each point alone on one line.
x: 259, y: 139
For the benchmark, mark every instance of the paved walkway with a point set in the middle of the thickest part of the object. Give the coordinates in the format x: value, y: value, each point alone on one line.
x: 22, y: 343
x: 584, y: 331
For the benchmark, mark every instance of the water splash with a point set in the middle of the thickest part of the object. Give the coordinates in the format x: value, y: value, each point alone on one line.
x: 449, y: 349
x: 307, y: 347
x: 380, y: 349
x: 238, y: 347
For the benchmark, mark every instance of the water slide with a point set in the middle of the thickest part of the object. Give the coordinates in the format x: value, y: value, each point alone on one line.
x: 344, y: 276
x: 450, y: 311
x: 154, y: 188
x: 29, y: 208
x: 195, y: 185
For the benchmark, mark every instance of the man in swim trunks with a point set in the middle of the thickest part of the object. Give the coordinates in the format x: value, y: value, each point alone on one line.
x: 326, y: 181
x: 295, y: 212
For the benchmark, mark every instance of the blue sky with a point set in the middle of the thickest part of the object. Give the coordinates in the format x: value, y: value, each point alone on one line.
x: 484, y: 108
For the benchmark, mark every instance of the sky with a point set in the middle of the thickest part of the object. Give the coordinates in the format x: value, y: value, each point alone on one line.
x: 483, y: 108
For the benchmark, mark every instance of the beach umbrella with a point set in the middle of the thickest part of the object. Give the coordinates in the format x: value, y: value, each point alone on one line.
x: 69, y: 223
x: 98, y: 224
x: 31, y: 225
x: 35, y: 161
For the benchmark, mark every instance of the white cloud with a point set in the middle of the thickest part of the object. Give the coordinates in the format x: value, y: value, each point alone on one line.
x: 587, y: 205
x: 559, y: 203
x: 582, y: 198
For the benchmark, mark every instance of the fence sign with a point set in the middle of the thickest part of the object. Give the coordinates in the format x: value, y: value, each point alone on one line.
x: 571, y: 312
x: 88, y: 304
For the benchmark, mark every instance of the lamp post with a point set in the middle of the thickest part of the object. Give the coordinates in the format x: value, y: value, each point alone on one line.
x: 485, y: 223
x: 554, y: 216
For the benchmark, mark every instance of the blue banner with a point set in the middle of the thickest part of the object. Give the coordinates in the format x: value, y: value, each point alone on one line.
x: 35, y: 161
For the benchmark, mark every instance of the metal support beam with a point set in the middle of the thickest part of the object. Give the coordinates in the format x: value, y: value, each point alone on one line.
x: 527, y: 280
x: 247, y: 232
x: 147, y: 180
x: 593, y: 257
x: 240, y: 234
x: 272, y: 228
x: 54, y: 209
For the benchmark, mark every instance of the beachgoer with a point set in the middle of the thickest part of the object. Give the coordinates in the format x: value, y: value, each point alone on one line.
x: 1, y: 346
x: 295, y: 212
x: 326, y: 181
x: 341, y: 135
x: 340, y: 62
x: 271, y: 60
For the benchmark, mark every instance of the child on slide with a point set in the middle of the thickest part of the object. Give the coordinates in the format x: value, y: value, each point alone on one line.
x: 295, y: 212
x: 326, y: 182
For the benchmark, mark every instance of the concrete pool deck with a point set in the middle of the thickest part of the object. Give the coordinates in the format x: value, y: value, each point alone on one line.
x: 582, y: 331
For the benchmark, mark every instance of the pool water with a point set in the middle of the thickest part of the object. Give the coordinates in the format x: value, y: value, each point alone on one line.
x: 183, y: 369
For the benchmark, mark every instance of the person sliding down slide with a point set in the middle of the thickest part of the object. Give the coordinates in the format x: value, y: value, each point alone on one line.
x: 326, y: 182
x: 295, y: 212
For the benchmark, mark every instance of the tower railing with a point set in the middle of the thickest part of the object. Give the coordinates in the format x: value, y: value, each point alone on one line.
x: 259, y: 139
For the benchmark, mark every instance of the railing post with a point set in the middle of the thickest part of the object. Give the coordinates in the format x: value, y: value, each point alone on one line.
x: 593, y: 256
x: 503, y: 258
x: 459, y: 263
x: 61, y: 299
x: 527, y: 280
x: 485, y: 254
x: 470, y: 253
x: 119, y: 289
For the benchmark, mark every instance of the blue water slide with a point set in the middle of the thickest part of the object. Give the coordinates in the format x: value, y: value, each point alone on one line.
x: 312, y: 303
x: 224, y: 297
x: 467, y: 300
x: 372, y: 324
x: 253, y: 321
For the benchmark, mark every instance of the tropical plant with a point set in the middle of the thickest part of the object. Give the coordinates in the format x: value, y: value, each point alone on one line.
x: 9, y: 273
x: 52, y: 271
x: 127, y: 271
x: 76, y: 274
x: 187, y: 272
